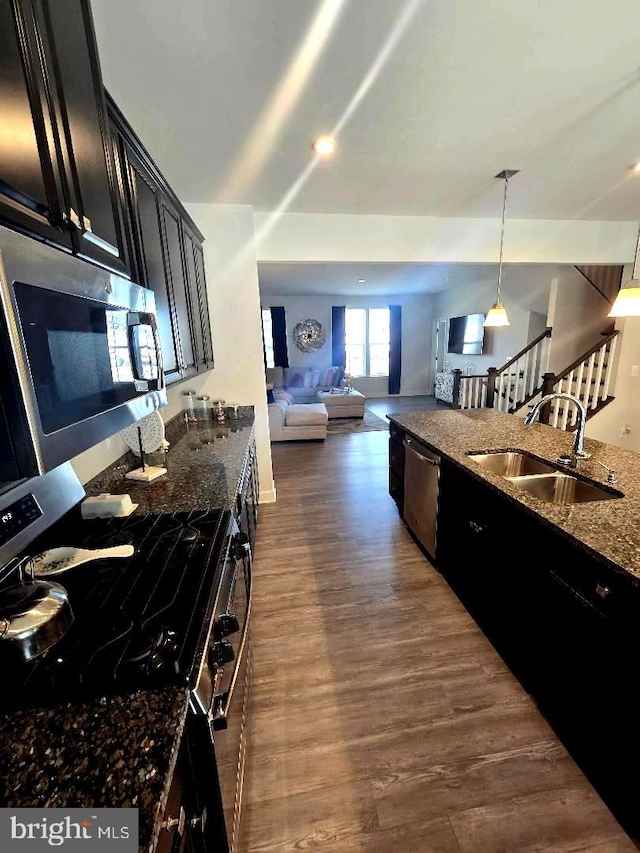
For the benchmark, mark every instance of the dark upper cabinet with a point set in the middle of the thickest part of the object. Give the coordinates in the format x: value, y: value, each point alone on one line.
x: 33, y: 196
x: 96, y: 222
x: 197, y: 289
x: 57, y: 175
x: 150, y: 267
x: 177, y: 281
x: 166, y: 254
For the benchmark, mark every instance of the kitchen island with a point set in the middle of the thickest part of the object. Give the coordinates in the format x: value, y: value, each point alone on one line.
x: 122, y: 750
x: 554, y: 584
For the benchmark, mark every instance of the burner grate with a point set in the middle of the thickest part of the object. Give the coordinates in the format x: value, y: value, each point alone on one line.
x: 138, y: 622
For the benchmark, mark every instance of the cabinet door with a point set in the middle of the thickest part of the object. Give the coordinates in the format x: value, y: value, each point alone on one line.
x: 95, y: 215
x: 31, y: 191
x: 175, y: 273
x: 204, y: 302
x: 197, y: 290
x: 145, y: 220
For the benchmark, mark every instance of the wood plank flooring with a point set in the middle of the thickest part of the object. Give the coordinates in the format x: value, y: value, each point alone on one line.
x: 382, y: 719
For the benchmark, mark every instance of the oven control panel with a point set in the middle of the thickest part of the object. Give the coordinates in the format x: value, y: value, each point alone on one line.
x: 17, y: 517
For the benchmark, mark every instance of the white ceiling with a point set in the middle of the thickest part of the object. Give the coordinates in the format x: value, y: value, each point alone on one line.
x: 433, y: 97
x: 380, y: 279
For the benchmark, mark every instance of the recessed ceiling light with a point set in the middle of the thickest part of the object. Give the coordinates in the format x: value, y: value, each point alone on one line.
x: 361, y: 280
x: 324, y: 146
x: 636, y: 167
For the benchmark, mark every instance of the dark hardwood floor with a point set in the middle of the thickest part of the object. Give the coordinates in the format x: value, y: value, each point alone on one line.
x: 382, y: 719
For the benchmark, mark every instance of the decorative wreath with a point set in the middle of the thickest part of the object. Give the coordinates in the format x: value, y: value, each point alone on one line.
x: 309, y: 336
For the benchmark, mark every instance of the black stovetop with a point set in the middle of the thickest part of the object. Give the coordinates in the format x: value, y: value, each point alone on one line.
x: 138, y: 622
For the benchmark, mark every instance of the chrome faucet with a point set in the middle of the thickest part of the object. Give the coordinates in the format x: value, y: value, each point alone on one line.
x: 577, y: 451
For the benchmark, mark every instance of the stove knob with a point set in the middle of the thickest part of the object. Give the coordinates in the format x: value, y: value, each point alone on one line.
x: 226, y: 624
x: 241, y: 546
x: 220, y: 654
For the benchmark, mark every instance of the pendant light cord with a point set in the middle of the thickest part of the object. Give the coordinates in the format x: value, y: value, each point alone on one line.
x: 504, y: 214
x: 636, y: 259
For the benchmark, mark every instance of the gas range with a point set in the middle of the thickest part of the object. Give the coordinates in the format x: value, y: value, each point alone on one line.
x: 140, y: 622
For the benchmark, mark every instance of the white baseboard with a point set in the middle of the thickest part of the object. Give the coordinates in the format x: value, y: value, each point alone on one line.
x: 268, y: 496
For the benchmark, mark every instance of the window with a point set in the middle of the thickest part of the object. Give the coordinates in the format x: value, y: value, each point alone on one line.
x: 367, y: 341
x: 267, y: 337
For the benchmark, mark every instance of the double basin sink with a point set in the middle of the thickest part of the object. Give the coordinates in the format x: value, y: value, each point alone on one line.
x: 542, y: 479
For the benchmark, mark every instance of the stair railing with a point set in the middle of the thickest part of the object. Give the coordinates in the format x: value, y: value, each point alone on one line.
x: 519, y: 380
x: 588, y: 379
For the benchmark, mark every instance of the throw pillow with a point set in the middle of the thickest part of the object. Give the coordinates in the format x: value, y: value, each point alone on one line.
x: 306, y: 379
x: 325, y: 377
x: 281, y: 394
x: 315, y: 378
x: 338, y: 376
x: 275, y: 376
x: 296, y: 380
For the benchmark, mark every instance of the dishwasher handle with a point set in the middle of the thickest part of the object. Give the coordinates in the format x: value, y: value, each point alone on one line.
x: 408, y: 443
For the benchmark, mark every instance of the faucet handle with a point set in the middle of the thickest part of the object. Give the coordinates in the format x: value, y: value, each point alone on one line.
x: 612, y: 476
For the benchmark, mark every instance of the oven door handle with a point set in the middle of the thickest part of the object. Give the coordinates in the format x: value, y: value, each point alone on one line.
x: 219, y: 719
x: 145, y: 318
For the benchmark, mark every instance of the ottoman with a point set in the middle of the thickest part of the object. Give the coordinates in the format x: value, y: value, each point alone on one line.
x: 342, y: 405
x: 296, y: 422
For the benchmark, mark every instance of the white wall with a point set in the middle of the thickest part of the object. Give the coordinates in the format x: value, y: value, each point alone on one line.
x: 345, y: 237
x: 612, y: 423
x: 416, y: 336
x: 578, y: 314
x: 234, y: 305
x: 499, y: 344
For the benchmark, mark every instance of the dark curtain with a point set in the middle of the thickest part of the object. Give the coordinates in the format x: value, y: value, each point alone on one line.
x: 279, y: 323
x: 395, y: 349
x: 338, y: 329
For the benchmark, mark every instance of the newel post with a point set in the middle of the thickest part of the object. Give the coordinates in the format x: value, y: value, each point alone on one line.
x: 548, y: 384
x: 492, y: 375
x: 457, y: 375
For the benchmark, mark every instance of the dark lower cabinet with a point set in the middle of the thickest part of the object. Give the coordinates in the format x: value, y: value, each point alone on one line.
x: 564, y: 620
x: 57, y: 174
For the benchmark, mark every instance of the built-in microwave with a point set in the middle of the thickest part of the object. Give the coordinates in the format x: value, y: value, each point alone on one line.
x: 80, y: 356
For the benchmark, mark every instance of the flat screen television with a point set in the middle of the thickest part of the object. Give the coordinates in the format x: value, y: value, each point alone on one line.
x: 466, y: 334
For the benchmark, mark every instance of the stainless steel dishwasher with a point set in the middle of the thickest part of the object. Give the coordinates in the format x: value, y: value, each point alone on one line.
x: 421, y: 476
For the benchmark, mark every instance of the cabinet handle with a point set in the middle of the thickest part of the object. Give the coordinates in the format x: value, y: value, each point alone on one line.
x: 74, y: 219
x: 87, y: 224
x: 179, y: 821
x: 603, y: 591
x: 477, y: 528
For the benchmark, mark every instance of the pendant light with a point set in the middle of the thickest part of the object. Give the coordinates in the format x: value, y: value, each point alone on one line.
x: 627, y: 302
x: 497, y: 315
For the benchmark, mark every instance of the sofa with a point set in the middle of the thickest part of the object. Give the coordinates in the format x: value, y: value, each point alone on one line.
x: 297, y: 421
x: 302, y: 383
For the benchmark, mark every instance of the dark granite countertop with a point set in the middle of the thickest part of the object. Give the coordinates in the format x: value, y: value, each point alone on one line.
x: 610, y: 528
x: 204, y: 466
x: 120, y: 751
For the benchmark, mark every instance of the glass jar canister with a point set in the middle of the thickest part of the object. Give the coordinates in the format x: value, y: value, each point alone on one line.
x: 189, y: 405
x: 218, y: 410
x: 203, y: 407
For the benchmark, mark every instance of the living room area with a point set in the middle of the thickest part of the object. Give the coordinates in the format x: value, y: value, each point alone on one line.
x: 347, y: 343
x: 343, y: 344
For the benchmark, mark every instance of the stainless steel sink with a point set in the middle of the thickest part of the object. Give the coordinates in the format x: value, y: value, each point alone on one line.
x: 560, y: 488
x: 512, y: 463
